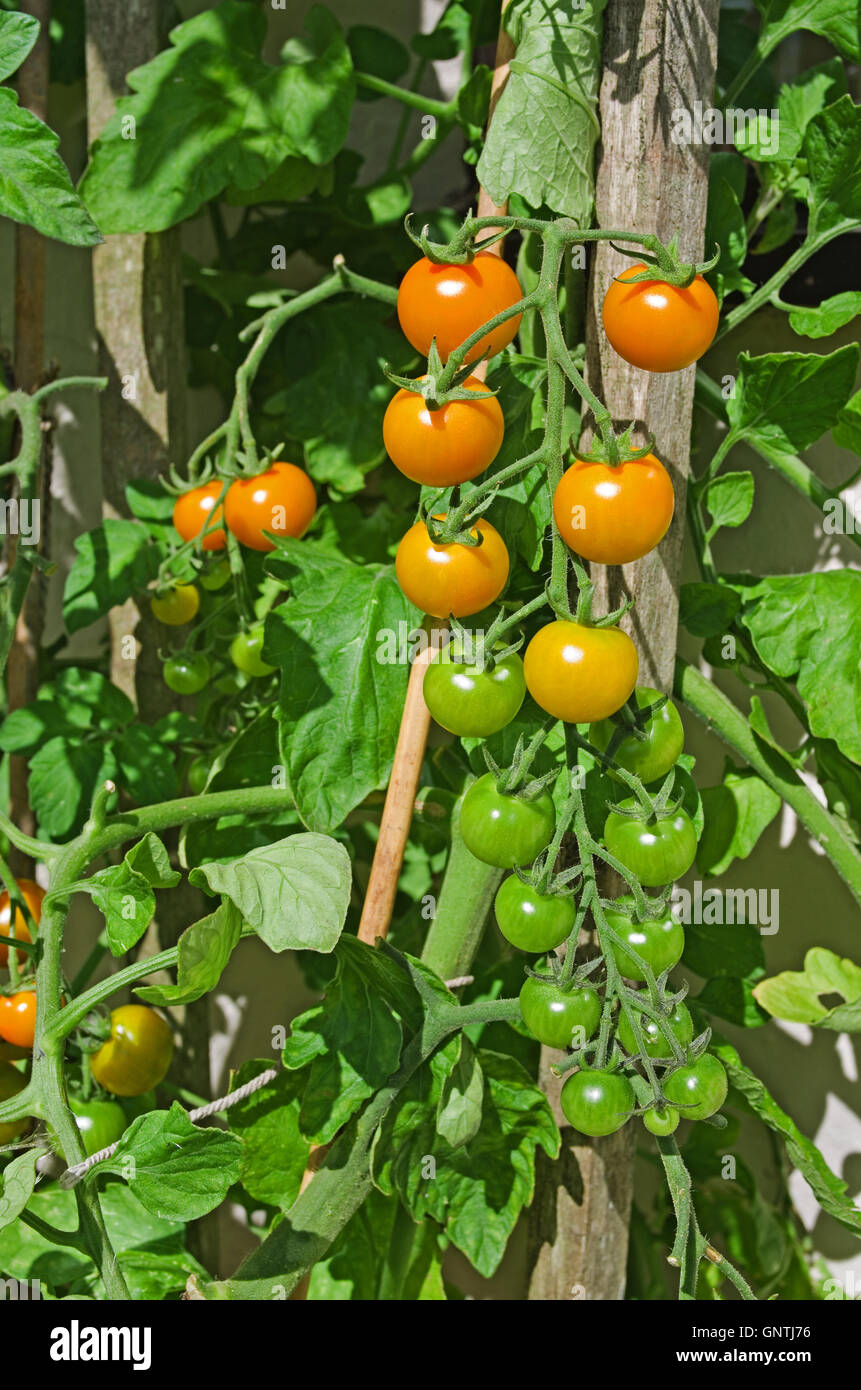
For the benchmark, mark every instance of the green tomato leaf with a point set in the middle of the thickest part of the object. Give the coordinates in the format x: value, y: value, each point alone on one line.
x: 708, y: 610
x: 719, y: 949
x: 794, y: 994
x: 293, y: 893
x: 208, y: 113
x: 847, y: 431
x: 736, y: 814
x: 353, y: 1041
x: 274, y: 1153
x: 147, y: 768
x: 175, y: 1170
x: 725, y: 227
x: 806, y: 627
x: 341, y: 430
x: 35, y: 187
x: 151, y: 861
x: 458, y: 1117
x: 18, y: 35
x: 18, y: 1178
x: 799, y: 101
x: 113, y: 562
x: 783, y: 402
x: 476, y: 1192
x: 832, y: 19
x: 203, y: 951
x: 821, y: 320
x: 832, y: 149
x: 733, y: 1000
x: 541, y: 141
x: 729, y: 498
x: 126, y: 902
x: 332, y: 640
x: 63, y: 776
x: 829, y: 1190
x: 377, y: 53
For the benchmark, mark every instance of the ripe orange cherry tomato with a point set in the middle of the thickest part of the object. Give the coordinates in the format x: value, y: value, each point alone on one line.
x: 191, y: 513
x: 281, y: 500
x: 32, y: 895
x: 448, y: 302
x: 458, y: 579
x: 572, y: 670
x: 657, y: 326
x: 18, y: 1018
x: 446, y: 446
x: 614, y: 515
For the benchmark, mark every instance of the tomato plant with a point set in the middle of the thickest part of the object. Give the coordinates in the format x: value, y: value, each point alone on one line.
x: 314, y: 930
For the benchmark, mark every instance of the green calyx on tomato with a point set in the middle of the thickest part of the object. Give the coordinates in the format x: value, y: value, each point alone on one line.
x: 698, y: 1090
x: 558, y: 1017
x: 530, y: 920
x: 137, y: 1054
x: 656, y: 1044
x: 186, y: 673
x: 655, y: 851
x: 470, y: 700
x: 658, y: 942
x: 503, y: 829
x: 246, y: 652
x: 597, y: 1102
x: 652, y: 753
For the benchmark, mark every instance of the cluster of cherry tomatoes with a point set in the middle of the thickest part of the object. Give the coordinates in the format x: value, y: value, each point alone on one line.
x: 610, y: 514
x: 132, y: 1060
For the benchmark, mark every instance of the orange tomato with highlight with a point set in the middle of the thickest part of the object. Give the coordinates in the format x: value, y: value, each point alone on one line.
x: 657, y: 326
x: 446, y: 446
x: 579, y: 673
x: 449, y: 302
x: 18, y: 1018
x: 281, y: 500
x: 191, y: 512
x: 457, y: 579
x: 614, y: 514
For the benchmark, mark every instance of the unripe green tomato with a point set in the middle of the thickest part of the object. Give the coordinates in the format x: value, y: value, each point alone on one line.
x: 556, y: 1017
x: 659, y: 942
x: 215, y: 576
x: 698, y: 1090
x: 661, y: 1122
x: 679, y: 1023
x: 100, y: 1124
x: 470, y: 702
x: 652, y: 757
x: 597, y: 1102
x: 245, y: 652
x: 197, y: 773
x: 533, y: 921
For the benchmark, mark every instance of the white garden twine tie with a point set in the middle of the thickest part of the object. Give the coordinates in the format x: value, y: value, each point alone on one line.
x: 74, y: 1175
